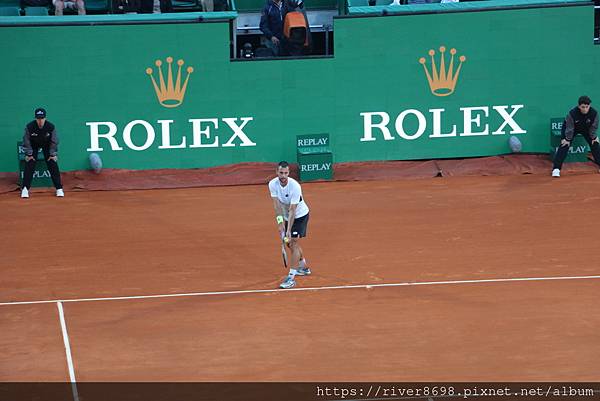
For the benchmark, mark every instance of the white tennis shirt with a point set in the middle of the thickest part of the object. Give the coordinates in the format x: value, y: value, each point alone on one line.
x: 290, y: 194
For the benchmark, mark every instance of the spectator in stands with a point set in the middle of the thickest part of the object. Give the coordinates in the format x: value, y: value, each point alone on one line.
x: 214, y: 5
x: 35, y: 3
x: 583, y: 120
x: 271, y: 24
x: 60, y: 5
x: 146, y: 6
x: 126, y: 6
x: 297, y: 40
x: 40, y: 134
x: 207, y: 5
x: 155, y: 6
x: 166, y: 6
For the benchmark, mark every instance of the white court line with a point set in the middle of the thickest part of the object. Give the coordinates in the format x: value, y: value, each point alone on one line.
x: 336, y: 287
x: 65, y: 334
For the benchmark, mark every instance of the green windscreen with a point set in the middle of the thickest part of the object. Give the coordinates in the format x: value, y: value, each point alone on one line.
x: 382, y: 97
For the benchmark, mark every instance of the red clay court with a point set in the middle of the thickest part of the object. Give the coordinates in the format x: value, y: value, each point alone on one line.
x: 471, y: 279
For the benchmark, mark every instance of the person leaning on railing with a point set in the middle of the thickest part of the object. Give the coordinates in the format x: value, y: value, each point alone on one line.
x: 271, y: 24
x: 61, y: 5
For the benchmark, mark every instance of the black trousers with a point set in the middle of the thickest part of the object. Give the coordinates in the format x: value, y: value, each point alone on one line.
x: 52, y: 167
x: 562, y: 151
x: 147, y: 6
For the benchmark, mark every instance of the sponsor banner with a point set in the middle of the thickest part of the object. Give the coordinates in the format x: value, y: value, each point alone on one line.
x: 168, y: 96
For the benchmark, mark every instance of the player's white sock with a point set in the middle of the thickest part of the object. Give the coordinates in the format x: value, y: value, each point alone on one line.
x: 293, y: 272
x: 302, y: 263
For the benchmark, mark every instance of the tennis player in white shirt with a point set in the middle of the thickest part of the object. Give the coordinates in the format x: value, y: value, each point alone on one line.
x: 291, y: 214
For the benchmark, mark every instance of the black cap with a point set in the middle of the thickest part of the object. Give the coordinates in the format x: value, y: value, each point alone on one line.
x: 40, y: 112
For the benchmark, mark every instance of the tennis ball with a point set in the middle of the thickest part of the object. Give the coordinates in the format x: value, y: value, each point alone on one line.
x: 286, y: 239
x: 515, y: 144
x: 95, y: 162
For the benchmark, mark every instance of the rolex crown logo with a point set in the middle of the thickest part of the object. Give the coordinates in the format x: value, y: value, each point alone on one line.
x: 169, y: 94
x: 443, y: 81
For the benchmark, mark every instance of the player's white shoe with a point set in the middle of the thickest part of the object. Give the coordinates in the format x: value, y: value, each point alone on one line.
x: 289, y: 282
x: 556, y: 173
x: 24, y: 193
x: 303, y: 271
x: 60, y: 193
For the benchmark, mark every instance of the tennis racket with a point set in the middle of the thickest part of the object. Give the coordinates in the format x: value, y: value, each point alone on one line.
x: 284, y: 254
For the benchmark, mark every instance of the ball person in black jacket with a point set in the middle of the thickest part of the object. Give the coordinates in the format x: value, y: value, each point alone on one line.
x: 40, y: 134
x: 583, y: 120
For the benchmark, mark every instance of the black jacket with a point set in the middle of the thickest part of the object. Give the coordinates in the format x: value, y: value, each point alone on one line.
x: 40, y: 137
x: 578, y: 123
x: 271, y: 20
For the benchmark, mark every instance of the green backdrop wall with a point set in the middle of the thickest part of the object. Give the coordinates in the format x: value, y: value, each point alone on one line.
x: 529, y: 64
